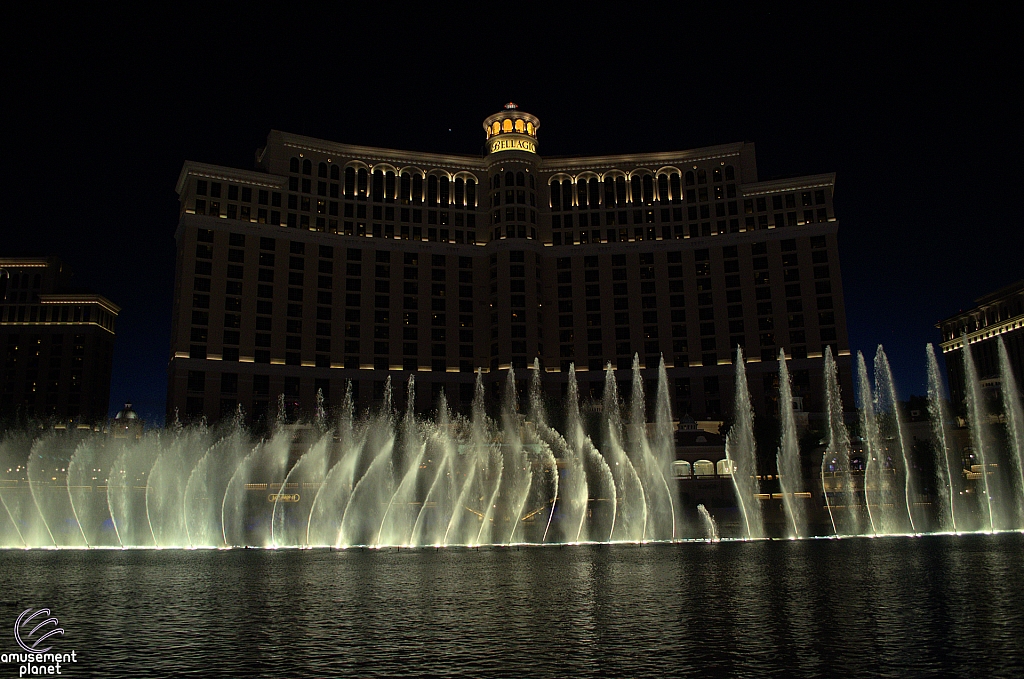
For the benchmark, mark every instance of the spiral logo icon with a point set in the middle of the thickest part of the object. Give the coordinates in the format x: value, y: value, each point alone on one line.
x: 28, y: 641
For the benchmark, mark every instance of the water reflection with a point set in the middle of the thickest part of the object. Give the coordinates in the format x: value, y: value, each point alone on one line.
x: 856, y: 608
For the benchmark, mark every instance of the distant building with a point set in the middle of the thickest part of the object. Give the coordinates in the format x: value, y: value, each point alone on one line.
x: 331, y: 263
x: 56, y: 345
x: 126, y: 424
x: 998, y: 314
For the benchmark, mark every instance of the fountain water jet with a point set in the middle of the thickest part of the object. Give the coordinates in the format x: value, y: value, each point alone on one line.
x: 788, y: 457
x: 741, y: 451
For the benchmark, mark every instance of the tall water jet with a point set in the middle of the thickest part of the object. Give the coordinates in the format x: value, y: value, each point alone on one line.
x: 368, y: 501
x: 664, y: 445
x: 788, y: 457
x: 648, y: 464
x: 975, y: 424
x: 631, y: 516
x: 402, y: 508
x: 948, y: 470
x: 836, y: 459
x: 568, y: 498
x: 1014, y: 414
x: 708, y: 521
x: 891, y: 431
x: 601, y: 498
x: 479, y: 462
x: 741, y: 450
x: 873, y: 478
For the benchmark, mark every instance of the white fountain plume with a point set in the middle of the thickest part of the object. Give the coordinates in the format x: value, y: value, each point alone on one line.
x: 600, y: 479
x: 1014, y: 414
x: 546, y: 438
x: 948, y: 471
x: 890, y: 427
x: 631, y: 518
x: 788, y: 457
x: 873, y: 481
x: 838, y: 452
x: 741, y: 451
x: 710, y: 526
x: 975, y: 424
x: 664, y: 447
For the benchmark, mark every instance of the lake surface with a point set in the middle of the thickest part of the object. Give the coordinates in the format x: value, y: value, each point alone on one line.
x: 900, y: 607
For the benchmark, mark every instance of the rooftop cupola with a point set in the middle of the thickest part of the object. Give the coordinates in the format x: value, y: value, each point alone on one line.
x: 511, y: 130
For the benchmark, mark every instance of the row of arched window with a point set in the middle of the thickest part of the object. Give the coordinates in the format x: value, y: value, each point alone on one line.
x: 408, y: 187
x: 509, y: 125
x: 618, y: 190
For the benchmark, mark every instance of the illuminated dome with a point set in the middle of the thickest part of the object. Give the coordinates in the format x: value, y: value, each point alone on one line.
x: 126, y: 413
x: 511, y: 130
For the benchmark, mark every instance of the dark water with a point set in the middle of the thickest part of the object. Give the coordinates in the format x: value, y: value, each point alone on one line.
x: 932, y: 606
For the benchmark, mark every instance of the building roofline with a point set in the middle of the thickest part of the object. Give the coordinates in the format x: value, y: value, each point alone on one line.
x: 1001, y: 292
x: 789, y: 184
x: 251, y: 177
x: 555, y: 163
x: 79, y: 298
x: 374, y: 153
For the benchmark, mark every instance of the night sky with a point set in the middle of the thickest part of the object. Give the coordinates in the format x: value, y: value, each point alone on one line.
x: 911, y: 107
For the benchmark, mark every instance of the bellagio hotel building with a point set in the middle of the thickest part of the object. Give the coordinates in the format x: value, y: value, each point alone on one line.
x: 331, y: 264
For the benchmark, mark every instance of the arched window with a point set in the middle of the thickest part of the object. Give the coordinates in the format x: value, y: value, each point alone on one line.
x: 648, y: 189
x: 529, y: 128
x: 681, y: 469
x: 432, y: 190
x: 506, y: 125
x: 566, y: 195
x: 556, y: 195
x: 361, y: 178
x: 470, y: 193
x: 730, y: 173
x: 581, y: 194
x: 460, y: 192
x: 676, y: 189
x: 389, y: 187
x: 520, y: 179
x: 378, y: 186
x: 636, y: 193
x: 519, y: 126
x: 663, y: 195
x: 609, y: 192
x: 703, y: 468
x: 293, y: 165
x: 510, y: 179
x: 724, y: 467
x: 321, y: 170
x: 444, y: 196
x: 689, y: 177
x: 533, y: 183
x: 495, y: 127
x: 497, y: 181
x: 620, y: 191
x: 702, y: 176
x: 307, y: 166
x: 404, y: 187
x: 335, y: 172
x: 417, y: 188
x: 595, y: 192
x: 350, y: 182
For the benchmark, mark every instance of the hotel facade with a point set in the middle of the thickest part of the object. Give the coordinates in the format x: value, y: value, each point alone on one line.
x: 331, y: 265
x: 57, y: 345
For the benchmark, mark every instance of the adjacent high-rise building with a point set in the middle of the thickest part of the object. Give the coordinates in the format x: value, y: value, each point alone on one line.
x: 331, y: 264
x: 57, y: 345
x: 998, y: 315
